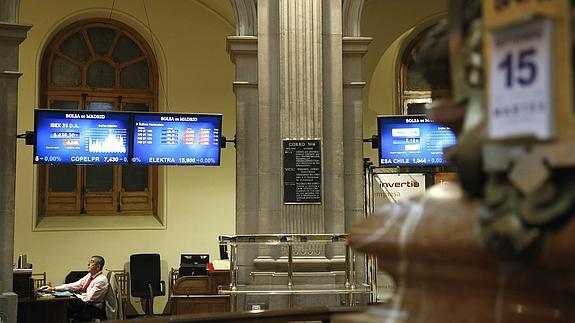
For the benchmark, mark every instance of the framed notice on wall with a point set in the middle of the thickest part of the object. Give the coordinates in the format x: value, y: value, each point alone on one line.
x: 302, y: 171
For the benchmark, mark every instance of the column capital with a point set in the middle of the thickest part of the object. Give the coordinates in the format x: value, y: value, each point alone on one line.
x: 355, y: 45
x: 241, y: 45
x: 10, y: 32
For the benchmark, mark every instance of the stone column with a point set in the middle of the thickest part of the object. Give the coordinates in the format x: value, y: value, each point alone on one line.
x: 354, y: 48
x: 302, y: 106
x: 333, y: 121
x: 11, y: 35
x: 243, y: 52
x: 268, y: 122
x: 298, y: 88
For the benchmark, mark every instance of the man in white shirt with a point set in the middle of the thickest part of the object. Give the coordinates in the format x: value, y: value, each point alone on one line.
x: 91, y: 291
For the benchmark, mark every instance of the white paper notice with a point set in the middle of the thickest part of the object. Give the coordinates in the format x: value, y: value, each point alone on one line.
x: 520, y: 84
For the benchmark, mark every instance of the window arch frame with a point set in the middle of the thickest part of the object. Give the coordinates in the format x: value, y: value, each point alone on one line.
x: 413, y: 38
x: 118, y: 201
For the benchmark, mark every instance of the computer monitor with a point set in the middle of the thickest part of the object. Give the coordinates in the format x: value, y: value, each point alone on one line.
x: 81, y: 137
x: 224, y: 252
x: 193, y: 264
x: 176, y: 139
x: 412, y: 140
x: 223, y: 239
x: 194, y: 259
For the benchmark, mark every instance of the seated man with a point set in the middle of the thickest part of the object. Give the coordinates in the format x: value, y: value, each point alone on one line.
x: 92, y: 289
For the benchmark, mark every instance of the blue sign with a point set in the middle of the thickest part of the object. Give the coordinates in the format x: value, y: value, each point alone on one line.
x: 81, y: 137
x: 176, y: 139
x: 412, y: 141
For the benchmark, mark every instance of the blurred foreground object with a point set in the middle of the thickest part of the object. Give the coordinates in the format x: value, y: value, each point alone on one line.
x: 500, y: 247
x: 442, y: 275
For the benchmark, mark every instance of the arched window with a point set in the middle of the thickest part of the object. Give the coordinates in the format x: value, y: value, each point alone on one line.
x: 98, y: 65
x: 415, y: 90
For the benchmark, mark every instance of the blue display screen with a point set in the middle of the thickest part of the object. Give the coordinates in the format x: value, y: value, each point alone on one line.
x: 176, y: 139
x: 81, y: 137
x: 412, y: 141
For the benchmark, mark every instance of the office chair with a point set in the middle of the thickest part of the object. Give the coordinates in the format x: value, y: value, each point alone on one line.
x: 39, y: 279
x: 174, y: 274
x: 111, y: 308
x: 75, y: 276
x: 123, y: 279
x: 145, y: 281
x: 113, y: 299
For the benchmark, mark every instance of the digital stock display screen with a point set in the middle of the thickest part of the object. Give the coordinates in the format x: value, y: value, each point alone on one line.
x: 412, y: 140
x: 81, y: 137
x: 176, y: 139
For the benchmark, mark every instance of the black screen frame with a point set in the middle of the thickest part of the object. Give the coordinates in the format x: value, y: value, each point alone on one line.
x: 407, y: 168
x: 129, y: 129
x: 173, y: 114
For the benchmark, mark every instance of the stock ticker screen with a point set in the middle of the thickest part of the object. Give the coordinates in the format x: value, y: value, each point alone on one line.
x: 81, y: 137
x: 176, y: 139
x: 412, y: 140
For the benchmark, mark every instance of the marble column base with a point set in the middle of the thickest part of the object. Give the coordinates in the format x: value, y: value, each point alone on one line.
x: 8, y: 307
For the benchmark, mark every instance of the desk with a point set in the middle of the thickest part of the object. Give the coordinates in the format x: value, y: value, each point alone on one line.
x: 194, y: 304
x: 43, y: 310
x: 199, y: 294
x: 22, y: 283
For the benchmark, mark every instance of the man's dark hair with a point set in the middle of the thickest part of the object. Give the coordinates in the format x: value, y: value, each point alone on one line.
x: 99, y: 261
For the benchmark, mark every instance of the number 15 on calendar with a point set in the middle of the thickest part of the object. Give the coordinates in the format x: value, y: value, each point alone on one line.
x: 520, y: 81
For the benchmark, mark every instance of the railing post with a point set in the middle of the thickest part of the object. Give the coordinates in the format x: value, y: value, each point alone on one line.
x: 348, y: 260
x: 233, y: 274
x: 372, y: 281
x: 290, y: 266
x: 234, y: 265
